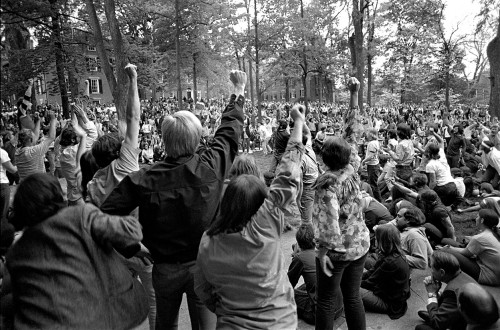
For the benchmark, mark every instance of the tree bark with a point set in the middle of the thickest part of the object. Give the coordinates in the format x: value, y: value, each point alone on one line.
x: 357, y: 19
x: 58, y: 52
x: 195, y: 77
x: 257, y: 84
x: 493, y: 52
x: 249, y: 57
x: 178, y: 53
x: 121, y: 61
x: 287, y: 89
x: 305, y: 66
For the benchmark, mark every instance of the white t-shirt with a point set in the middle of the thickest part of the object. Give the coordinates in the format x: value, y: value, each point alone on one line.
x: 4, y: 158
x: 441, y: 169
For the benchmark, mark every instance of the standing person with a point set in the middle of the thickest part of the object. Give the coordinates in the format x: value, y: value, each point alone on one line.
x: 242, y: 247
x: 5, y: 167
x: 341, y: 233
x: 177, y: 199
x: 30, y: 156
x: 372, y: 162
x: 456, y: 145
x: 64, y: 269
x: 386, y: 287
x: 405, y: 152
x: 280, y: 142
x: 309, y: 173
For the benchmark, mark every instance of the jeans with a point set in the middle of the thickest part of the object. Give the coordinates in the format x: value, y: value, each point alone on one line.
x: 144, y: 270
x: 345, y: 282
x: 373, y: 303
x: 170, y: 282
x: 467, y: 265
x: 373, y: 174
x: 436, y: 237
x: 4, y: 200
x: 306, y: 204
x: 274, y: 163
x: 404, y: 172
x: 449, y: 194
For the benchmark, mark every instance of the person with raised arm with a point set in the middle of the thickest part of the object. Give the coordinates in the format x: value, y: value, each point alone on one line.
x: 178, y: 199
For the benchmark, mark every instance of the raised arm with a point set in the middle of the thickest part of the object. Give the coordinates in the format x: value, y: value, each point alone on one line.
x: 133, y: 115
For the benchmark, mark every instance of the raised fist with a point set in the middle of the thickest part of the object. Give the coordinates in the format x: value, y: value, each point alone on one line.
x: 297, y: 112
x: 131, y: 71
x: 353, y: 84
x: 52, y: 114
x: 238, y: 78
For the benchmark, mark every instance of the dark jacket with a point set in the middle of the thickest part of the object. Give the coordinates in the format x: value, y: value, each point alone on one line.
x: 445, y: 314
x: 66, y: 275
x: 280, y: 142
x: 390, y: 280
x: 178, y: 198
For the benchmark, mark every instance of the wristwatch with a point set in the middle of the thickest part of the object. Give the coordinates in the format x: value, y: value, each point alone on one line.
x: 432, y: 295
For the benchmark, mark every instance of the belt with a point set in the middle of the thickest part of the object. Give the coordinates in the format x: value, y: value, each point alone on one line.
x: 402, y: 166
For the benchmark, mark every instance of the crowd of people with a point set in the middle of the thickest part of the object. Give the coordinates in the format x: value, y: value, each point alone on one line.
x: 377, y: 193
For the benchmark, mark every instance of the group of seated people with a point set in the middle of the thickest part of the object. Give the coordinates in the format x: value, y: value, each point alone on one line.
x: 204, y: 223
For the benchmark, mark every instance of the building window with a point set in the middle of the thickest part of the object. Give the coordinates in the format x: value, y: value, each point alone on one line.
x: 275, y: 96
x: 294, y: 94
x: 301, y: 93
x: 95, y: 86
x: 93, y: 64
x: 91, y: 48
x: 282, y: 94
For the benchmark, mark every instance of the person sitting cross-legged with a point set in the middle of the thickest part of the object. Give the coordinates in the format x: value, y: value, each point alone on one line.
x: 442, y: 309
x: 304, y: 264
x: 386, y: 287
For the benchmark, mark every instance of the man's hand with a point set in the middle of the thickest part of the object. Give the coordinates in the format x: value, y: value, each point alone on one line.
x: 239, y: 80
x: 297, y: 113
x: 52, y: 115
x: 353, y: 84
x: 431, y: 285
x: 131, y: 71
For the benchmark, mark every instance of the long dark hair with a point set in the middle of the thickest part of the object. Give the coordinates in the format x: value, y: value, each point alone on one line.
x: 388, y: 240
x: 88, y: 166
x: 38, y: 197
x: 490, y: 221
x: 243, y: 198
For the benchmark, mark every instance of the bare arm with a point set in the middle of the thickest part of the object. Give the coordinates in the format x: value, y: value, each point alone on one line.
x: 450, y: 230
x: 432, y: 180
x: 133, y: 115
x: 405, y: 190
x: 9, y: 167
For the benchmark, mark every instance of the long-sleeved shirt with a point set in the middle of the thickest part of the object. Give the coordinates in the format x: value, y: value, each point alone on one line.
x: 178, y: 198
x: 416, y: 246
x: 241, y: 276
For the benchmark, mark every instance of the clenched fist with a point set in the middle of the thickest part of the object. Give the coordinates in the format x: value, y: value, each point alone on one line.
x: 238, y: 78
x: 297, y: 113
x: 353, y: 84
x: 131, y: 71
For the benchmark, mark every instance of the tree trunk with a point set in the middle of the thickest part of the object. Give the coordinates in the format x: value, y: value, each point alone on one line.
x: 493, y: 52
x: 369, y: 59
x: 257, y: 85
x: 58, y: 52
x: 447, y: 89
x: 100, y: 47
x: 238, y: 60
x: 287, y: 89
x: 305, y: 67
x: 121, y: 61
x: 178, y: 53
x: 249, y: 49
x: 357, y: 19
x: 207, y: 91
x: 195, y: 77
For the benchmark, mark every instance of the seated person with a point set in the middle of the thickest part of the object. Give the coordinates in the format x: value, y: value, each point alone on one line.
x: 440, y: 178
x: 442, y: 309
x: 304, y: 264
x: 414, y: 242
x: 386, y: 287
x: 478, y: 308
x: 480, y: 258
x: 375, y: 211
x: 438, y: 226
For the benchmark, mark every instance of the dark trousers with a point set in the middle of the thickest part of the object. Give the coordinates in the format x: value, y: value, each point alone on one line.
x: 4, y: 200
x: 373, y: 174
x: 404, y: 172
x: 449, y: 194
x: 453, y: 161
x: 306, y: 307
x: 345, y: 282
x: 468, y: 265
x: 170, y: 282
